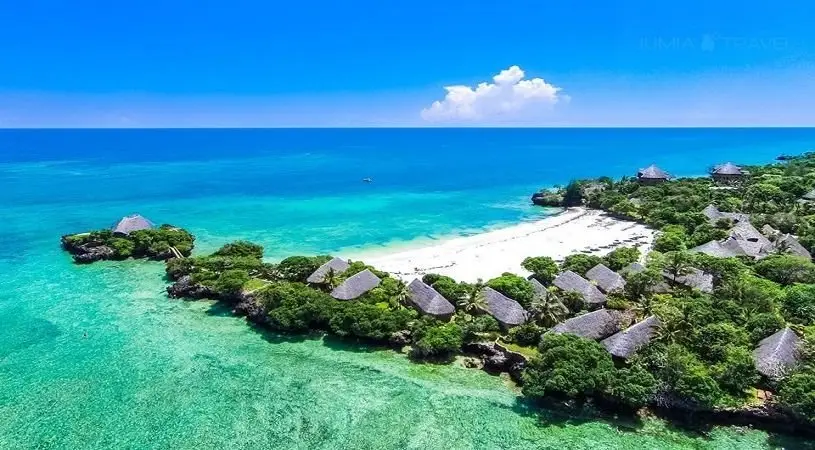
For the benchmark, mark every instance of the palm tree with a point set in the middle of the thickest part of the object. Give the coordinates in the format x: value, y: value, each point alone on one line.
x: 400, y: 299
x: 678, y: 264
x: 547, y: 309
x: 475, y: 302
x: 331, y: 280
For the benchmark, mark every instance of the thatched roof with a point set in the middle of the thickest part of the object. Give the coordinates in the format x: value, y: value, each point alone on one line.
x: 713, y: 214
x: 356, y: 285
x: 571, y: 282
x: 606, y: 279
x: 652, y: 172
x: 336, y: 264
x: 428, y: 301
x: 506, y: 311
x: 634, y: 267
x: 809, y: 195
x: 695, y: 279
x: 769, y: 231
x: 627, y: 342
x: 129, y: 224
x: 726, y: 248
x: 539, y: 288
x: 728, y: 169
x: 595, y: 325
x: 790, y: 245
x: 776, y: 355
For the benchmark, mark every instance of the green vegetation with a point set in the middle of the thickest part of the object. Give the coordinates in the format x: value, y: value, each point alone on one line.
x: 155, y: 243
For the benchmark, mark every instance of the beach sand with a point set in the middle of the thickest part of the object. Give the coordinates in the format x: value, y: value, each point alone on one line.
x: 488, y: 255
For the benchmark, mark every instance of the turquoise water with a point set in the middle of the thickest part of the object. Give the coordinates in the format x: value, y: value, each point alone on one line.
x: 98, y: 357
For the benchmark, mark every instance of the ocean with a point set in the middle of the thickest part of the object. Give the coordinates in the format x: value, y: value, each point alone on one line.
x: 98, y: 357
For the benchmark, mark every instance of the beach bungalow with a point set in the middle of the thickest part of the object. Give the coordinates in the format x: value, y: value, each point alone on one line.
x: 336, y: 264
x: 606, y: 279
x: 727, y: 173
x: 428, y: 301
x: 695, y: 279
x: 627, y: 342
x: 778, y: 354
x: 787, y: 243
x: 595, y: 325
x: 129, y: 224
x: 569, y: 281
x: 356, y: 285
x: 652, y: 175
x: 714, y: 215
x: 505, y: 310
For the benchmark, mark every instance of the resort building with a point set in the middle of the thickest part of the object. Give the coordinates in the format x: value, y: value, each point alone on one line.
x: 505, y: 310
x: 627, y: 342
x: 727, y: 173
x: 606, y: 279
x: 778, y: 354
x: 336, y: 265
x: 714, y: 215
x: 569, y: 281
x: 595, y: 325
x: 652, y: 175
x: 129, y: 224
x: 694, y: 279
x: 356, y: 285
x: 539, y: 288
x: 428, y: 301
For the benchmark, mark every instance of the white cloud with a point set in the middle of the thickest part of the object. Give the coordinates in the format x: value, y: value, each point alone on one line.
x: 509, y: 97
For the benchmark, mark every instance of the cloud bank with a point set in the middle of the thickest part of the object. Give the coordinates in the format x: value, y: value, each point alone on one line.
x: 508, y: 97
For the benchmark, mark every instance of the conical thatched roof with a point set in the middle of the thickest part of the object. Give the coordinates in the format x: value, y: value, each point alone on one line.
x: 569, y: 281
x: 595, y: 325
x: 506, y: 311
x: 606, y: 279
x: 336, y: 264
x: 652, y: 172
x: 627, y: 342
x: 428, y: 301
x: 777, y: 355
x: 132, y: 223
x: 728, y: 169
x: 356, y: 285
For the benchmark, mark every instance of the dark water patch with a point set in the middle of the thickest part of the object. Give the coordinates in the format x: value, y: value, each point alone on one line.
x: 20, y: 332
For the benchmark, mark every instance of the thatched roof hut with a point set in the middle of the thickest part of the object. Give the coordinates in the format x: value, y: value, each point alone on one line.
x: 569, y: 281
x: 695, y: 279
x: 713, y: 214
x: 652, y: 174
x: 428, y: 301
x: 356, y: 285
x: 336, y: 264
x: 726, y: 248
x: 129, y: 224
x: 778, y: 354
x: 634, y: 267
x: 809, y: 196
x: 595, y: 325
x: 727, y: 172
x: 627, y: 342
x: 789, y: 244
x: 606, y: 279
x: 506, y: 311
x: 539, y: 288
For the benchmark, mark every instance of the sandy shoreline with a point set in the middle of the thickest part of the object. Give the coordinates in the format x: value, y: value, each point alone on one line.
x: 489, y: 254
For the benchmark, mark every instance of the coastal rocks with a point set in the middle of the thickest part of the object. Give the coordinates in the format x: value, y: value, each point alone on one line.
x: 88, y: 252
x: 400, y: 338
x: 548, y: 198
x: 185, y: 287
x: 497, y: 359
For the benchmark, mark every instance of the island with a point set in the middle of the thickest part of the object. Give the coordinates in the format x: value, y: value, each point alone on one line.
x: 131, y: 237
x: 714, y: 322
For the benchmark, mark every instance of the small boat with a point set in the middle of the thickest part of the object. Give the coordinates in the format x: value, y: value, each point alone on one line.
x: 367, y: 180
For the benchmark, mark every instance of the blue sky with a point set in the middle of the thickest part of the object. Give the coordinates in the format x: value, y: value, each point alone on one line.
x: 382, y: 63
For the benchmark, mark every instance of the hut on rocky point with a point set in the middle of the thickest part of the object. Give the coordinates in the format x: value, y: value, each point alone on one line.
x: 129, y: 224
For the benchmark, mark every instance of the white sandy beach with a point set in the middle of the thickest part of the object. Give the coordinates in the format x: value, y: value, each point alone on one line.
x: 492, y: 253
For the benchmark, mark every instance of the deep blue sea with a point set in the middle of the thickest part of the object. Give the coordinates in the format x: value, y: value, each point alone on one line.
x: 98, y: 357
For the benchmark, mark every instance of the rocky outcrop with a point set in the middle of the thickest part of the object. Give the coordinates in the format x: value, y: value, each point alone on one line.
x: 547, y: 198
x: 498, y: 359
x: 88, y: 252
x: 185, y: 287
